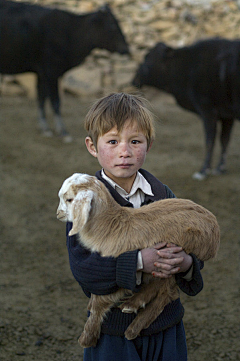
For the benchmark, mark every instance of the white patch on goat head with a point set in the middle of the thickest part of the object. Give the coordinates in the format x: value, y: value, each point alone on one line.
x: 64, y: 211
x: 81, y: 207
x: 76, y: 178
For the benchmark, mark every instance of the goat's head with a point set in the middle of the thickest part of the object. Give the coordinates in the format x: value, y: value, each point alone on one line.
x: 76, y: 196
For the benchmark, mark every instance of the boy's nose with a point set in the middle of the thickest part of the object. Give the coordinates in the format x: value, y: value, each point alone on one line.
x: 125, y: 150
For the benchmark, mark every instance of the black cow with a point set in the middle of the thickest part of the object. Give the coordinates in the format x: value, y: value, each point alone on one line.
x: 49, y: 42
x: 204, y: 78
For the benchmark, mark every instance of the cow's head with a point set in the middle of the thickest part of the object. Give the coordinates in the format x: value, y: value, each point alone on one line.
x: 107, y: 32
x: 154, y: 69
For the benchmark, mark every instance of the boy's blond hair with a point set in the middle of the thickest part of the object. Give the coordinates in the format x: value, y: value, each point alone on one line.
x: 113, y: 110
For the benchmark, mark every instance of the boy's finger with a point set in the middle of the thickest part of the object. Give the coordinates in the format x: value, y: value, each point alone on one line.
x: 172, y: 249
x: 164, y: 273
x: 160, y: 275
x: 168, y: 254
x: 168, y: 263
x: 160, y: 245
x: 173, y: 245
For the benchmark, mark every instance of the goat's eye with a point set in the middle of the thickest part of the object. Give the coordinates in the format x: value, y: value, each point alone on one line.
x: 69, y: 200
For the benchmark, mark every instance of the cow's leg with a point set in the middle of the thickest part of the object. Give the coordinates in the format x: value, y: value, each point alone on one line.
x: 227, y: 126
x: 55, y: 102
x: 210, y: 127
x: 42, y: 95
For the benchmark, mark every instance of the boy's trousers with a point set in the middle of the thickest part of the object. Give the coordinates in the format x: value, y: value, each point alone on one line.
x: 169, y: 345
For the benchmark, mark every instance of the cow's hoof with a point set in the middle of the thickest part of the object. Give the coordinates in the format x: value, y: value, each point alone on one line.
x: 202, y: 174
x: 67, y: 139
x: 47, y: 133
x: 199, y: 176
x: 218, y: 171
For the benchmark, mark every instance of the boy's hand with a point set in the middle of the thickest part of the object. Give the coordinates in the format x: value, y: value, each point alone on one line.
x: 165, y: 260
x: 172, y: 260
x: 150, y: 256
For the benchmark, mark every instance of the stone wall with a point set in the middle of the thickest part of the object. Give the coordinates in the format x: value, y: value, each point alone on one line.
x: 144, y: 23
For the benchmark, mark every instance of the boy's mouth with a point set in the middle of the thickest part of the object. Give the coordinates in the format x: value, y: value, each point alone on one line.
x: 124, y: 165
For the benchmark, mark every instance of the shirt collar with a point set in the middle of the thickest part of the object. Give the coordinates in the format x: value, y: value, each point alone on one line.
x: 139, y: 183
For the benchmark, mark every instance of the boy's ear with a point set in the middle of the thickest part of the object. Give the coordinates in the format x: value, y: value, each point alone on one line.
x: 150, y: 146
x: 90, y: 146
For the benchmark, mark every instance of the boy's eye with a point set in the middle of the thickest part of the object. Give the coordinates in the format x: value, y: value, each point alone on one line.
x: 112, y: 141
x: 135, y: 141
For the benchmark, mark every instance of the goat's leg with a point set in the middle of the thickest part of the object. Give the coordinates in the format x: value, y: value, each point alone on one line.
x: 143, y: 297
x: 143, y: 319
x: 98, y: 307
x: 146, y: 316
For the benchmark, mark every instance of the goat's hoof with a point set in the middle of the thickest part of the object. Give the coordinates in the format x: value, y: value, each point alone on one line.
x: 127, y: 309
x: 132, y: 306
x: 86, y: 342
x: 130, y: 334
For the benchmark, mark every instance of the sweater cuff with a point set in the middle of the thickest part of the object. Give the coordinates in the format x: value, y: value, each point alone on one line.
x: 195, y: 285
x: 126, y: 270
x: 188, y: 274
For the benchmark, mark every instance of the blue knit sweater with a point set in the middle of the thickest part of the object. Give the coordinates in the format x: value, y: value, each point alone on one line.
x: 104, y: 275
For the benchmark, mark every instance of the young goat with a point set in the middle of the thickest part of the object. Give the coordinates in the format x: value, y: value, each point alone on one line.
x: 104, y: 226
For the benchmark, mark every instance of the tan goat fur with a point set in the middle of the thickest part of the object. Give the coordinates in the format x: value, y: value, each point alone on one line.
x: 104, y: 226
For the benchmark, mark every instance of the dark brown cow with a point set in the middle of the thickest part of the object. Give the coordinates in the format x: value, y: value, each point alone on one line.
x: 204, y: 78
x: 49, y: 42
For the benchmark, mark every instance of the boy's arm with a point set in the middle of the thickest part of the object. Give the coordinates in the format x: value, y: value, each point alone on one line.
x: 193, y: 286
x: 101, y: 275
x: 174, y: 261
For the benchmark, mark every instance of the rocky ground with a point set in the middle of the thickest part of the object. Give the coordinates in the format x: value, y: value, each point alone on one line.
x: 42, y: 308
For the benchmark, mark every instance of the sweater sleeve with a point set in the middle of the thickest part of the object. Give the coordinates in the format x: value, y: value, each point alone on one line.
x: 195, y: 285
x: 100, y: 275
x: 169, y: 192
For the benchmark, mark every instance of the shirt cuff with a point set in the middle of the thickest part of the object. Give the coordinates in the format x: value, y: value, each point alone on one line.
x: 139, y: 268
x: 139, y: 261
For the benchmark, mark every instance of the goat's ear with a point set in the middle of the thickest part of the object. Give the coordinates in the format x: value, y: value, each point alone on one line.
x: 80, y: 212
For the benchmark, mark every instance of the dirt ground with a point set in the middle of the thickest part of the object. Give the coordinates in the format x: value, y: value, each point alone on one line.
x: 42, y: 308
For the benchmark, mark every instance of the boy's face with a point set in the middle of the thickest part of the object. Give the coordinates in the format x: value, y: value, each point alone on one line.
x: 120, y: 154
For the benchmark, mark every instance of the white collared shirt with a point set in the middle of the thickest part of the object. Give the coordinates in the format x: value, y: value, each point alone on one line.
x: 139, y: 189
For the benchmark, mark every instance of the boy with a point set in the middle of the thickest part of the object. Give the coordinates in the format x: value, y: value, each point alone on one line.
x: 120, y: 134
